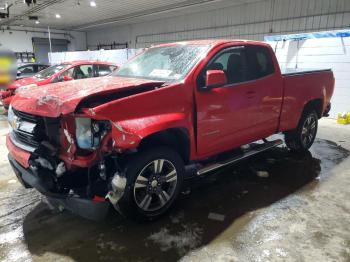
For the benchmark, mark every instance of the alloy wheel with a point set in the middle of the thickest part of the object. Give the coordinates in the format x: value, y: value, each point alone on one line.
x: 155, y: 185
x: 308, y: 130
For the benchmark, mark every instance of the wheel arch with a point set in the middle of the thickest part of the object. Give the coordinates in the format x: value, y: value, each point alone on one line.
x: 316, y: 104
x: 175, y: 138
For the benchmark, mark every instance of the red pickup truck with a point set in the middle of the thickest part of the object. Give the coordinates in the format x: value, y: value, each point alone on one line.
x: 63, y: 72
x: 130, y: 139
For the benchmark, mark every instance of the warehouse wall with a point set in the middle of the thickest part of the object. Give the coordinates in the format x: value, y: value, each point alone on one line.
x: 21, y: 41
x: 248, y: 21
x: 321, y: 53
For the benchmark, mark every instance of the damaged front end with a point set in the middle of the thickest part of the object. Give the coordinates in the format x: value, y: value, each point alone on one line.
x: 70, y: 159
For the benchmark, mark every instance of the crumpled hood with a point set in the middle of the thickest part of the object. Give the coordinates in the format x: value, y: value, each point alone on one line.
x: 62, y: 98
x: 24, y: 82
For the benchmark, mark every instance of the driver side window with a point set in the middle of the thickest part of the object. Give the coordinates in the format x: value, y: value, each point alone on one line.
x: 68, y: 72
x: 232, y: 61
x: 83, y: 71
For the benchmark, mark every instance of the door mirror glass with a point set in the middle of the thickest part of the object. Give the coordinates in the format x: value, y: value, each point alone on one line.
x: 215, y: 78
x: 67, y: 78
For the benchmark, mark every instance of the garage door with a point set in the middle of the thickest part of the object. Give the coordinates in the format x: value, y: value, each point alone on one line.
x: 42, y: 48
x: 319, y: 50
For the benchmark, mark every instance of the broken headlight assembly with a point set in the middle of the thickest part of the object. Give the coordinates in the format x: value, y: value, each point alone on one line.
x: 89, y: 132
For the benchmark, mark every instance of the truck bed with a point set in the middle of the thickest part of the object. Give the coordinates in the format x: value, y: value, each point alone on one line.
x: 300, y: 87
x: 302, y: 71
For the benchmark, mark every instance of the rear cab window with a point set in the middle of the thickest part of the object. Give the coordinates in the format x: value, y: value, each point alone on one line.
x: 260, y: 62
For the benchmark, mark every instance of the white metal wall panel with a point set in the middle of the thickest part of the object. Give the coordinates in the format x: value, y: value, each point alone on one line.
x: 248, y: 21
x: 254, y: 21
x: 319, y: 53
x: 115, y: 56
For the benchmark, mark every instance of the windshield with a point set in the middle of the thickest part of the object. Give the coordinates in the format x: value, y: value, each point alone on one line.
x: 163, y: 63
x: 50, y: 71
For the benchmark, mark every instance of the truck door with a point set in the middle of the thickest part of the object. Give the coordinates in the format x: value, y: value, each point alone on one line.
x: 226, y: 115
x: 268, y: 91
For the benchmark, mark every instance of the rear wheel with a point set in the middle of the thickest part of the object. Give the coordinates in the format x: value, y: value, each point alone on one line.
x: 154, y: 179
x: 302, y: 138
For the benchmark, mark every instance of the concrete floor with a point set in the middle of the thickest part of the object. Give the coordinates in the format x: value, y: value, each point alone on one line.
x: 300, y: 212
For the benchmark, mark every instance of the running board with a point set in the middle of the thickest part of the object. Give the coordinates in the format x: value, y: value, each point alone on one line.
x: 258, y: 149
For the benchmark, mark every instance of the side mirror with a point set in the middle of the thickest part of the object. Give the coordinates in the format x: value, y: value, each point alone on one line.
x: 215, y: 78
x: 19, y: 73
x: 67, y: 78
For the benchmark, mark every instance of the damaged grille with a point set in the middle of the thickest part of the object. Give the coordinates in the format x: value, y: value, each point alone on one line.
x: 26, y: 117
x: 26, y: 138
x: 30, y: 130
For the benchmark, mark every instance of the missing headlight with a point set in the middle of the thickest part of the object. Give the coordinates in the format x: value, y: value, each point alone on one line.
x: 90, y: 132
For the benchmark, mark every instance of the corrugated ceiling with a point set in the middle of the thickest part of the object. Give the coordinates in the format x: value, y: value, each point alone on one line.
x: 79, y: 15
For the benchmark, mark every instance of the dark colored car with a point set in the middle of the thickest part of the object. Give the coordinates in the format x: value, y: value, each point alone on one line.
x: 29, y: 69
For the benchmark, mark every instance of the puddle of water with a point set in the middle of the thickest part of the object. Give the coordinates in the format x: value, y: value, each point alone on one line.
x: 233, y: 192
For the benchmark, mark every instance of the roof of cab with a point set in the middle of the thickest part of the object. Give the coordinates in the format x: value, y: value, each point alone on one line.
x: 214, y: 42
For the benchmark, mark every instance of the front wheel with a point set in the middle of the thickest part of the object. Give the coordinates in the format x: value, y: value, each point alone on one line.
x: 302, y: 138
x: 154, y: 180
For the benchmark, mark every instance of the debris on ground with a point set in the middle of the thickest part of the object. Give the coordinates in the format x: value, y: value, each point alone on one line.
x: 263, y: 174
x: 184, y: 240
x: 178, y: 217
x: 216, y: 216
x: 187, y: 191
x: 60, y: 208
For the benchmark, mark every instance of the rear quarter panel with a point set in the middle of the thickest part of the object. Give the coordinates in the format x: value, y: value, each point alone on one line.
x: 299, y: 89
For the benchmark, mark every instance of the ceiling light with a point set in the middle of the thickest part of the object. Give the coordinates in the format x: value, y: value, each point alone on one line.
x: 37, y: 22
x: 92, y: 3
x: 58, y: 16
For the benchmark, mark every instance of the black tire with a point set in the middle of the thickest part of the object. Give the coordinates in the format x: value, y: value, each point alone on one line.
x: 142, y: 164
x: 302, y: 138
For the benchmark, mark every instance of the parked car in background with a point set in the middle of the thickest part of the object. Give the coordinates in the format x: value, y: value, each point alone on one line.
x: 128, y: 139
x: 58, y: 73
x: 29, y: 69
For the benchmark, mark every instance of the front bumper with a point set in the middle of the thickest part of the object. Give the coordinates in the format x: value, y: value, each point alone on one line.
x: 88, y: 208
